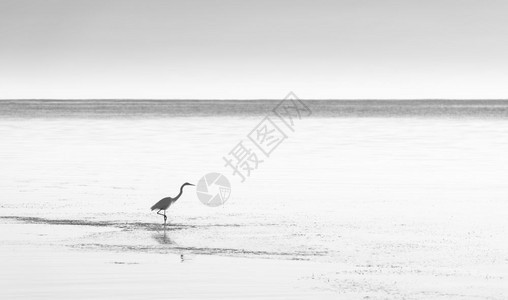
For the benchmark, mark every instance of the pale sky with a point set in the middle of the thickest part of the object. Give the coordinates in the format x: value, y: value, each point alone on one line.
x: 251, y: 49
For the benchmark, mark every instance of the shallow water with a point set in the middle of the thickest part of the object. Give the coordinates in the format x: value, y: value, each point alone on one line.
x: 423, y: 190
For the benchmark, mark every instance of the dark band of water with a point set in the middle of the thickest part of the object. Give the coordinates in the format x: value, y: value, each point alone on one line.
x: 165, y: 244
x: 196, y: 108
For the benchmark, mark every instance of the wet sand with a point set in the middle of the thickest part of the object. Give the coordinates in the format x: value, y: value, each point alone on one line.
x: 42, y: 262
x: 56, y: 261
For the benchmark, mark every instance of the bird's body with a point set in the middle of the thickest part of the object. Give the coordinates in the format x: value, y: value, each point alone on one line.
x: 166, y: 202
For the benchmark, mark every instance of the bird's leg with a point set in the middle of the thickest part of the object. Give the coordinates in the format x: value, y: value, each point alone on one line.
x: 164, y: 215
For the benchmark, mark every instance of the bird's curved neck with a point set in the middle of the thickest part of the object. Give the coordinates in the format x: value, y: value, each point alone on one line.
x: 181, y: 192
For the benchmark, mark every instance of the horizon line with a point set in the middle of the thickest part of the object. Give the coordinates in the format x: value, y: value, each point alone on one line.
x: 259, y: 99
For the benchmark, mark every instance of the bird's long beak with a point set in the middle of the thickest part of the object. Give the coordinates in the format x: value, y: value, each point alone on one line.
x: 192, y: 184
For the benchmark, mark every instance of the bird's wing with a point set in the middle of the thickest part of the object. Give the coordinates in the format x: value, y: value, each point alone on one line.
x: 162, y: 203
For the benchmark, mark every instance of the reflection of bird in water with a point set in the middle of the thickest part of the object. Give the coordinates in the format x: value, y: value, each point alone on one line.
x: 162, y: 238
x: 165, y: 203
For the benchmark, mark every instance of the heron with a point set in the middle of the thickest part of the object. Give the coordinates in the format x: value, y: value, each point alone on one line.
x: 165, y: 203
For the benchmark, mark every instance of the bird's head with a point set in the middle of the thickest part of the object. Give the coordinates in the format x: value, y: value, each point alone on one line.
x: 188, y: 184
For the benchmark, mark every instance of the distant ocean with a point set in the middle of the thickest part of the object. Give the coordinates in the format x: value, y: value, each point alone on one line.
x: 320, y: 108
